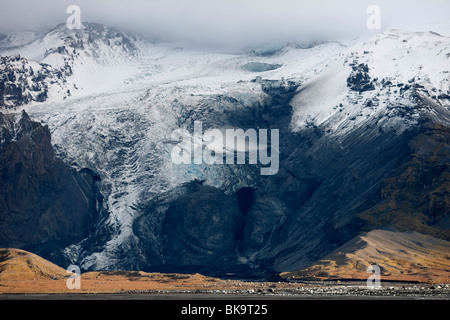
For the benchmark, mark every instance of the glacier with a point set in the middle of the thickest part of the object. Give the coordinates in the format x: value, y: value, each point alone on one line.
x: 128, y: 95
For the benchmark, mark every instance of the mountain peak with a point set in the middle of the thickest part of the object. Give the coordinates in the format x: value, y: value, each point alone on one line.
x: 106, y: 45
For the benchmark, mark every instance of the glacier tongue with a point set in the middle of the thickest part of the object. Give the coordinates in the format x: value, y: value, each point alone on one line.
x: 124, y: 134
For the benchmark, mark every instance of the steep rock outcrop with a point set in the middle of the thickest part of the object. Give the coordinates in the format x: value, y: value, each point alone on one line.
x: 44, y: 204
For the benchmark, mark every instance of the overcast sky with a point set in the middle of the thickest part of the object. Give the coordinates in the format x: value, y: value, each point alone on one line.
x: 232, y: 22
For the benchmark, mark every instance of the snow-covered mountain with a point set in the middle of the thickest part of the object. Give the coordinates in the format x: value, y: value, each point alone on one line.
x: 388, y: 72
x: 23, y: 81
x: 91, y: 56
x: 346, y: 115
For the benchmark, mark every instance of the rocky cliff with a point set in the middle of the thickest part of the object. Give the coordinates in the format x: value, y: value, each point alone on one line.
x: 44, y: 204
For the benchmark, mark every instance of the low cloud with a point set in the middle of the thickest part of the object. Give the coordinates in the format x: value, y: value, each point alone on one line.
x: 233, y: 23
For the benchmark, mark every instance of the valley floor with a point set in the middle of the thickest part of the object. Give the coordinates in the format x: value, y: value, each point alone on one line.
x: 97, y: 286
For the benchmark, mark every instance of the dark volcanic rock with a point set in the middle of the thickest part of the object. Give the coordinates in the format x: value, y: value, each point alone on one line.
x: 44, y: 205
x: 359, y: 79
x: 416, y: 197
x: 201, y: 227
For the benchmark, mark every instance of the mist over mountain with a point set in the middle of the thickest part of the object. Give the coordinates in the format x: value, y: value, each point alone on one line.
x: 224, y: 25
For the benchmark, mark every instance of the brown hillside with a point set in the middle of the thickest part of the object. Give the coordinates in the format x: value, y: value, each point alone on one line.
x: 16, y: 264
x: 401, y: 256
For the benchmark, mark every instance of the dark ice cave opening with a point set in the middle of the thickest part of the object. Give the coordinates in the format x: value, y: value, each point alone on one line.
x: 245, y: 199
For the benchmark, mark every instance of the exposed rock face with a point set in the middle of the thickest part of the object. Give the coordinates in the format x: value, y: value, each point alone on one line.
x: 359, y: 80
x: 416, y: 197
x: 204, y: 226
x: 44, y: 205
x: 23, y: 81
